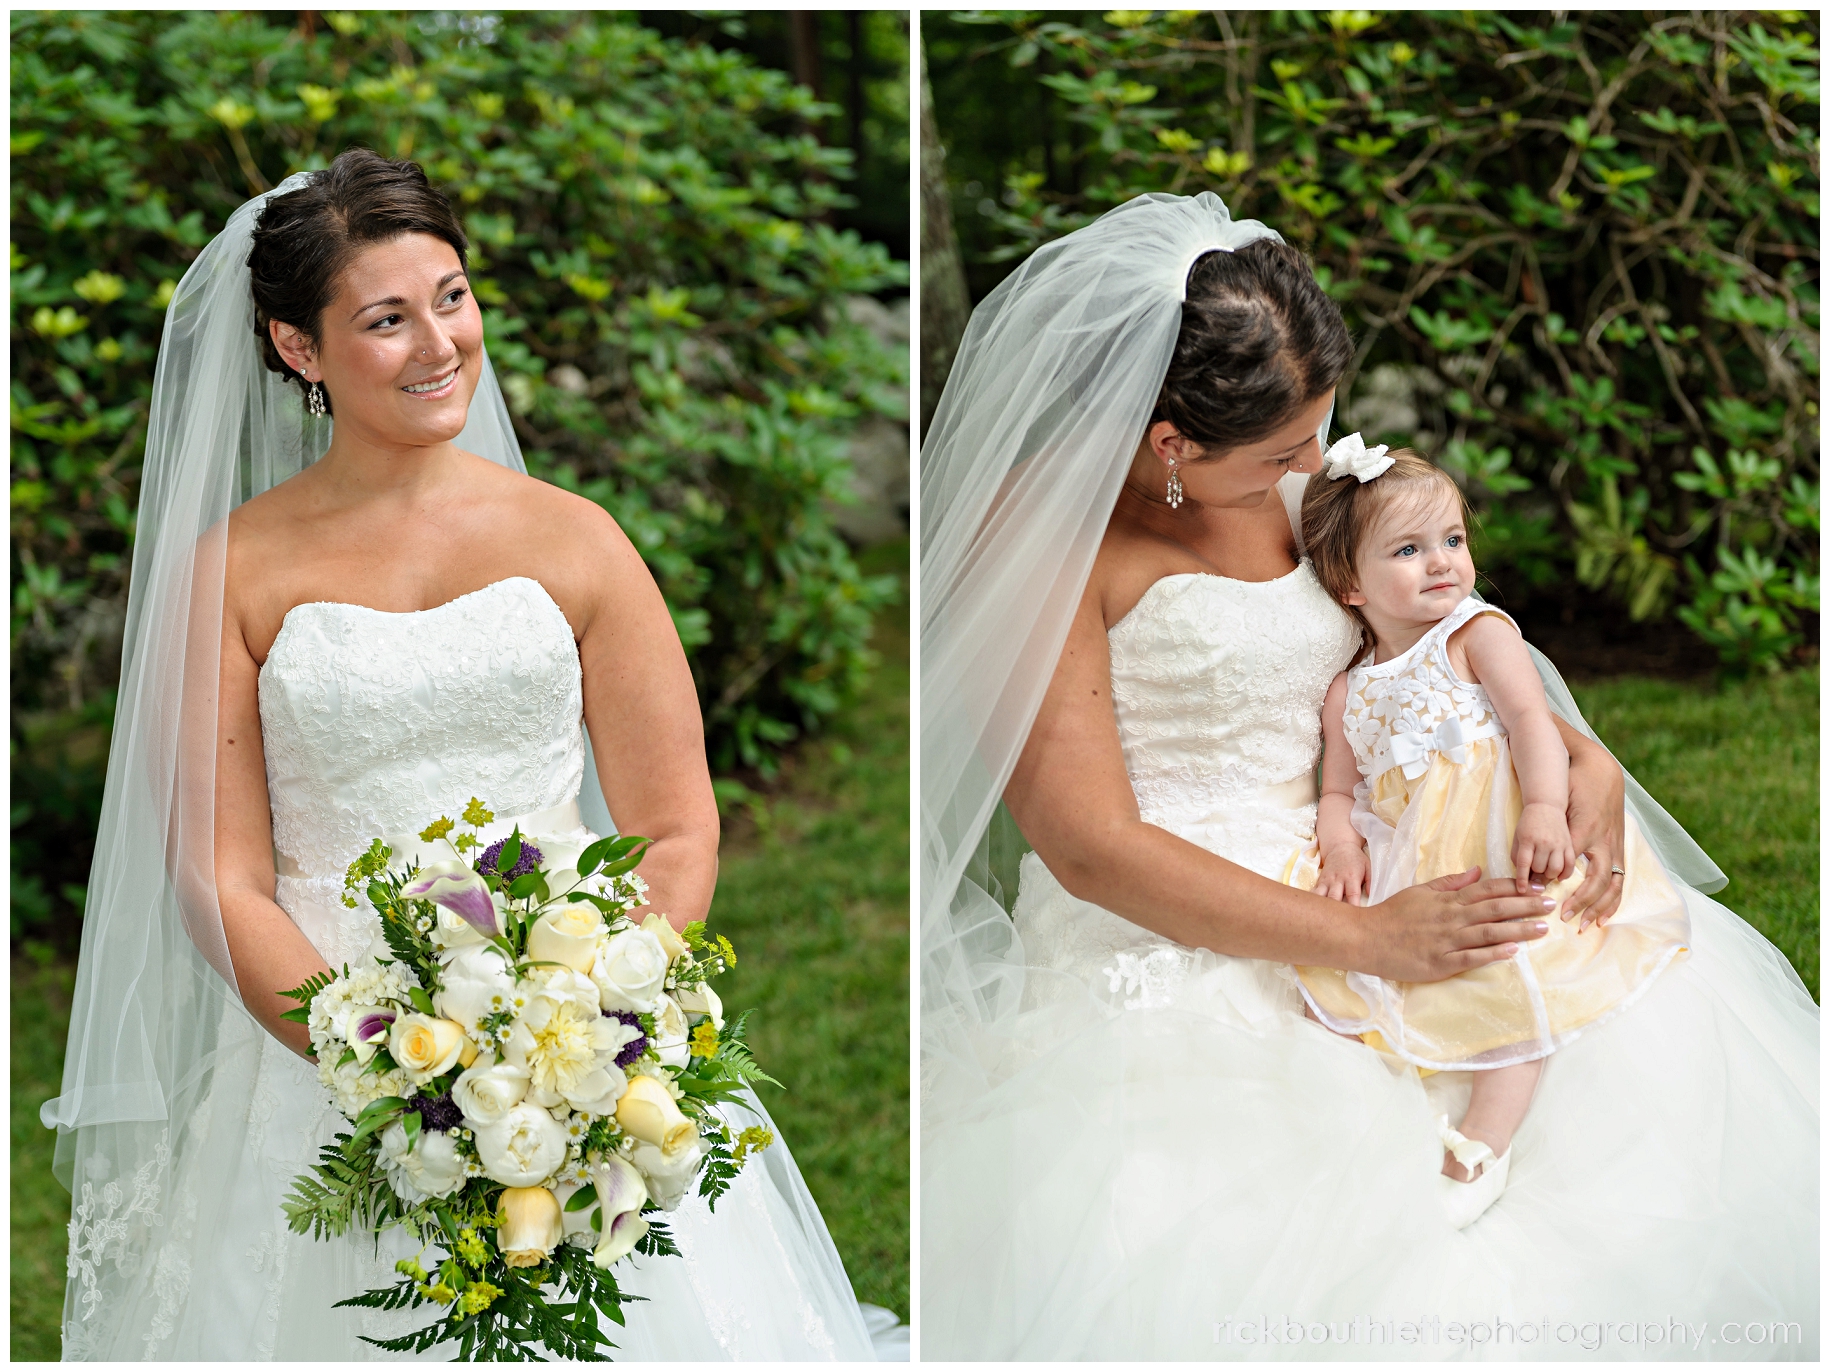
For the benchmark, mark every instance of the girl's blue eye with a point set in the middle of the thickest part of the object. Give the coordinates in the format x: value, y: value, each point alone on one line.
x: 1453, y: 540
x: 1407, y: 550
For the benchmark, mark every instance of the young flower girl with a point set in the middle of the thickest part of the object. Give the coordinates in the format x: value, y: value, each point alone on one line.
x: 1441, y: 755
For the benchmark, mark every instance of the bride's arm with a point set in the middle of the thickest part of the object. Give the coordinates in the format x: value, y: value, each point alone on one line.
x: 646, y: 733
x: 1073, y: 801
x: 269, y: 953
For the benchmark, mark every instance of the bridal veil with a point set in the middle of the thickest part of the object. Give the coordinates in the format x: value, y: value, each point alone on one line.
x: 155, y: 1006
x: 1049, y: 397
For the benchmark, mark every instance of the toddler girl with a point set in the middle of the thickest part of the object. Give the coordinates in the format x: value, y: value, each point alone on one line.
x: 1441, y: 755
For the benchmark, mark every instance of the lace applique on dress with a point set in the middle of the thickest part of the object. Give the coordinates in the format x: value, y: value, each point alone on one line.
x: 1400, y: 712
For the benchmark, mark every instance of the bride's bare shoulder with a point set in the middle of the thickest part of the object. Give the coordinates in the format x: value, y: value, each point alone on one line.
x: 1132, y: 558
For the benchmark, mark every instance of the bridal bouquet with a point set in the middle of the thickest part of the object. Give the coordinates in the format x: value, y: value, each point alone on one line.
x: 531, y: 1075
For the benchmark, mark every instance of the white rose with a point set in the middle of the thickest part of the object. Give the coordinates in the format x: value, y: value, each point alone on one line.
x: 630, y: 971
x: 701, y: 1000
x: 426, y: 1047
x: 568, y: 935
x: 431, y: 1168
x: 522, y: 1148
x: 668, y: 1176
x: 477, y: 982
x: 671, y: 942
x: 488, y: 1091
x: 670, y: 1034
x: 451, y: 931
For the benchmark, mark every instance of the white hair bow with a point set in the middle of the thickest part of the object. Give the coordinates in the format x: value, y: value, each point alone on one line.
x: 1351, y: 457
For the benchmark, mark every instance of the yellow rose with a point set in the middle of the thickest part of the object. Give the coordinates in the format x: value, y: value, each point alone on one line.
x: 529, y: 1225
x: 567, y: 935
x: 425, y: 1047
x: 671, y: 943
x: 648, y: 1112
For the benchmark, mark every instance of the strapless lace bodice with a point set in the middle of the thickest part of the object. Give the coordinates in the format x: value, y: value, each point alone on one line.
x: 376, y: 723
x: 1218, y: 686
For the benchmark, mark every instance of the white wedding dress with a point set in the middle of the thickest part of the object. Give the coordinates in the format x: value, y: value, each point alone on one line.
x: 373, y: 724
x: 1173, y: 1163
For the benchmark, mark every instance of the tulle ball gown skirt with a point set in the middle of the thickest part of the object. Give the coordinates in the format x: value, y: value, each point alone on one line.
x: 1202, y: 1173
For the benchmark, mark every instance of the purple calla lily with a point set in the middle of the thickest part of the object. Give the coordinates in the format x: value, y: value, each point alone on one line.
x: 456, y: 887
x: 374, y: 1026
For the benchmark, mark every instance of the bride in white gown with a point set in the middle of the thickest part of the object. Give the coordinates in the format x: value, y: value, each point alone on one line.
x: 1134, y: 1143
x: 399, y: 627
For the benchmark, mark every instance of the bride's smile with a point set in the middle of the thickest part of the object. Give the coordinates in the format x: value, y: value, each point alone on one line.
x: 397, y: 345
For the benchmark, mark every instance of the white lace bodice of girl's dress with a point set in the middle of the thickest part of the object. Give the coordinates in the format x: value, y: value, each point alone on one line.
x: 1410, y: 706
x: 376, y: 723
x: 1218, y: 687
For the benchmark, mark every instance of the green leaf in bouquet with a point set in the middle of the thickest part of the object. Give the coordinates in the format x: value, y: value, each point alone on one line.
x: 349, y: 1056
x: 527, y: 884
x: 411, y: 1122
x: 658, y: 1242
x: 302, y: 1015
x: 627, y: 863
x: 308, y: 990
x: 379, y: 896
x: 421, y: 1001
x: 606, y: 850
x: 609, y: 907
x: 383, y: 1061
x: 511, y: 853
x: 581, y: 1199
x: 376, y: 1114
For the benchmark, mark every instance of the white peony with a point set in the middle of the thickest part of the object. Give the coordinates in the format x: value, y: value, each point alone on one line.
x: 630, y: 971
x: 523, y: 1148
x: 488, y: 1091
x: 432, y: 1167
x: 477, y: 982
x: 572, y: 1058
x: 668, y: 1176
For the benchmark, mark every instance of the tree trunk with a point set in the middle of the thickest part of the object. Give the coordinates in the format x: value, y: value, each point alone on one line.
x: 944, y: 301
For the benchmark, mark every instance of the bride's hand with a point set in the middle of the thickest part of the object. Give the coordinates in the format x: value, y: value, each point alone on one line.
x: 1597, y: 826
x: 1450, y: 925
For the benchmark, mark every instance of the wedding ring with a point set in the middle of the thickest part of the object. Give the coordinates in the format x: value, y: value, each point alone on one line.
x: 1618, y: 871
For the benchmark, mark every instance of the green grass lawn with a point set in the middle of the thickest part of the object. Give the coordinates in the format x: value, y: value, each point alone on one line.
x: 813, y: 889
x: 1737, y: 767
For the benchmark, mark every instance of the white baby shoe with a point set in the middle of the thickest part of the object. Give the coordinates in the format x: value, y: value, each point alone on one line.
x: 1467, y: 1201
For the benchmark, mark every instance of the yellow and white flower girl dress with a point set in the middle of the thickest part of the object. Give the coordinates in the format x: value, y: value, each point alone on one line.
x: 1439, y: 796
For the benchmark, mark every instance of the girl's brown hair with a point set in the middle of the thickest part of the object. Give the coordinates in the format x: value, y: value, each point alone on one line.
x: 1338, y: 513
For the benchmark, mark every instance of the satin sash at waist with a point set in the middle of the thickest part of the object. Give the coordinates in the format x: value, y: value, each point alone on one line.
x: 409, y: 849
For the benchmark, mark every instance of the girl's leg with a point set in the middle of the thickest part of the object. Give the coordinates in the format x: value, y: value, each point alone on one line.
x: 1496, y: 1108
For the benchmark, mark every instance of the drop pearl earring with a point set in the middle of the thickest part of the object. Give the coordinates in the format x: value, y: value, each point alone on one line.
x: 1174, y: 495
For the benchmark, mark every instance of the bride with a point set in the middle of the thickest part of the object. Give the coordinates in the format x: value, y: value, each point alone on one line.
x: 1134, y: 1143
x: 320, y: 652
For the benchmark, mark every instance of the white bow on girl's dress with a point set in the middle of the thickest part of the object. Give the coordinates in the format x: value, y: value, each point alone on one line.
x: 1351, y: 457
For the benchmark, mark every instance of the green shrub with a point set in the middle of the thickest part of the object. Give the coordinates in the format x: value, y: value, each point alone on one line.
x: 663, y: 301
x: 1579, y: 253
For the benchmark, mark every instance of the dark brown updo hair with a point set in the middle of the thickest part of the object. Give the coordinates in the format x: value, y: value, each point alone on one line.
x: 1260, y: 339
x: 304, y: 239
x: 1339, y: 513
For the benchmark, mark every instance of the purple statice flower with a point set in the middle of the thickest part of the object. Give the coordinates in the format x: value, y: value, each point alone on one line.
x: 530, y: 859
x: 637, y: 1045
x: 437, y: 1112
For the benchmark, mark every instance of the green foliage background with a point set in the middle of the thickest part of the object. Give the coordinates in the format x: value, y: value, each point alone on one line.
x: 665, y: 302
x: 1579, y: 255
